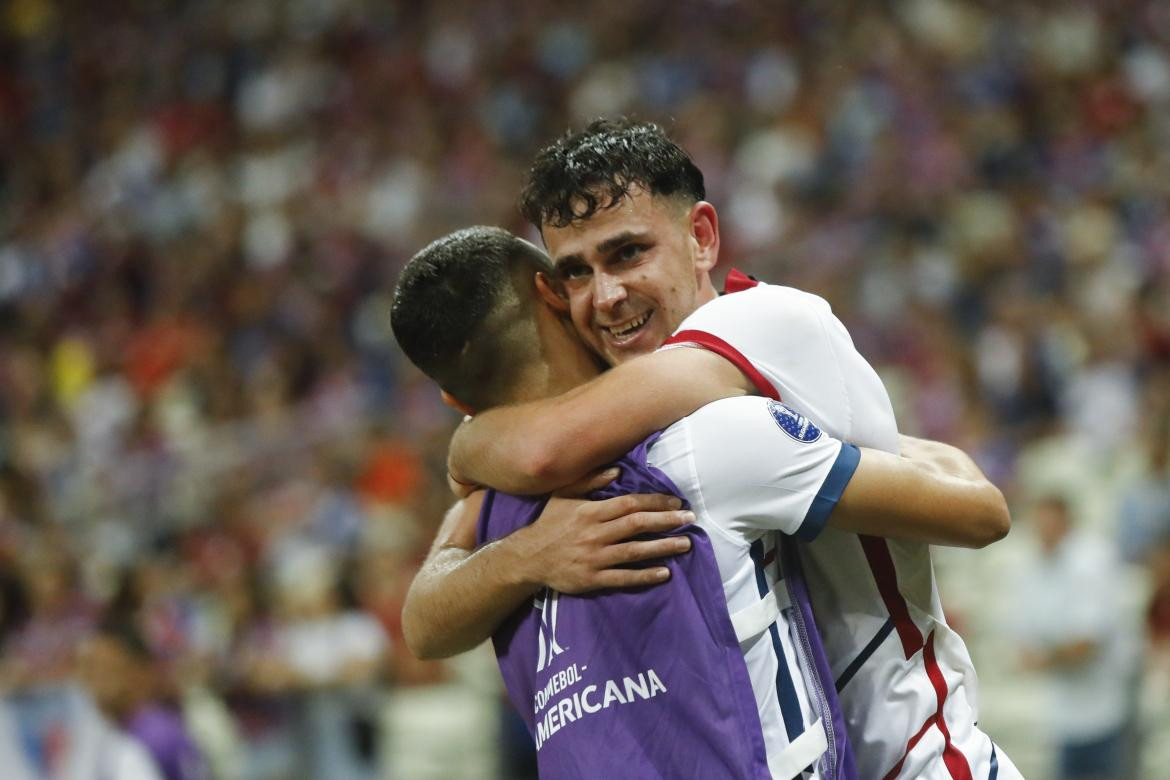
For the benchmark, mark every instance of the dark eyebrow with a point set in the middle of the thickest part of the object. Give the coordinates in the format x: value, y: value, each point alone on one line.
x: 562, y: 262
x: 610, y: 244
x: 605, y: 247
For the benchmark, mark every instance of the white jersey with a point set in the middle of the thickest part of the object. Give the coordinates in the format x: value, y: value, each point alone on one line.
x: 750, y: 467
x: 906, y: 683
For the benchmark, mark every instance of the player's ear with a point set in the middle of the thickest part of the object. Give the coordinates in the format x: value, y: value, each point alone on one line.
x: 704, y: 226
x: 552, y: 291
x: 456, y: 404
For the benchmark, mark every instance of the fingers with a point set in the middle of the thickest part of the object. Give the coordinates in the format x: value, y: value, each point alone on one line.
x: 640, y: 523
x: 613, y: 508
x: 632, y: 552
x: 589, y: 483
x: 631, y: 578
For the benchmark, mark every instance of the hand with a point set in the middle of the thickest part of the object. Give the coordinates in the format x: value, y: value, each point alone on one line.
x: 580, y: 546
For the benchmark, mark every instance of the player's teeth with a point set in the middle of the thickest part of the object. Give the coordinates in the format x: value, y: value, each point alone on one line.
x: 632, y: 326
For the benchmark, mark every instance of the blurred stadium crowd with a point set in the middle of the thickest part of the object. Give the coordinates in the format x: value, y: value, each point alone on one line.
x: 217, y: 472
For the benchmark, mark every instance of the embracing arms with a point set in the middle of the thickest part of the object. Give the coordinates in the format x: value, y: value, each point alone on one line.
x: 931, y: 493
x: 461, y: 594
x: 537, y: 447
x: 760, y: 465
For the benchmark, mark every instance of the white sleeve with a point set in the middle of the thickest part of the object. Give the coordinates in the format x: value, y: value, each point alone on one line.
x: 796, y: 349
x: 761, y: 466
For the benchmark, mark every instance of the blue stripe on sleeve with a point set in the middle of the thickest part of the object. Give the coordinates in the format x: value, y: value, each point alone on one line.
x: 830, y: 492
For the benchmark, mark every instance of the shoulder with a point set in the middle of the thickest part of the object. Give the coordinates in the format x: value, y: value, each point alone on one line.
x: 736, y: 433
x: 764, y: 306
x: 734, y: 408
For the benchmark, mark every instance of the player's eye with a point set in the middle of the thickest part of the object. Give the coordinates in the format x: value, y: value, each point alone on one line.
x: 629, y: 252
x: 574, y: 271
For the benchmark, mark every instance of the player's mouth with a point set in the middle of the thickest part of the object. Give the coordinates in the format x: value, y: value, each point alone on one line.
x: 624, y: 333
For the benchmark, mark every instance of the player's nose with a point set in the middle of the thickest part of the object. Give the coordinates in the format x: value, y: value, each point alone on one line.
x: 608, y: 291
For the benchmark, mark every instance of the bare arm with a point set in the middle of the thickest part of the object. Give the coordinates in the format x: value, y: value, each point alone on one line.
x: 461, y: 594
x: 932, y: 493
x: 1063, y: 656
x: 537, y: 447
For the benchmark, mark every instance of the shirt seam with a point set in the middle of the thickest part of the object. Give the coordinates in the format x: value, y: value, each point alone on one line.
x: 840, y: 374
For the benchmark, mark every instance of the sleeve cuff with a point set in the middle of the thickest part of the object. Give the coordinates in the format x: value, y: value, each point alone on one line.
x: 830, y: 493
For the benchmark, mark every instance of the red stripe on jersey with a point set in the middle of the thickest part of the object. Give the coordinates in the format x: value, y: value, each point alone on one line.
x: 737, y: 281
x: 771, y: 556
x: 877, y: 553
x: 720, y: 347
x: 953, y: 758
x: 914, y: 740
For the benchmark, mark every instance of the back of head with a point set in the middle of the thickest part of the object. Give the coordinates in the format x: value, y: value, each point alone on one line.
x: 463, y: 312
x: 595, y: 168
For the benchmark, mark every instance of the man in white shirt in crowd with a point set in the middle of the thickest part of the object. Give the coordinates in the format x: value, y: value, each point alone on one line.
x: 1068, y: 620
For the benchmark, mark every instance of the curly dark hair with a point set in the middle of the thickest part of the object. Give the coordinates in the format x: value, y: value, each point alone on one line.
x: 582, y: 172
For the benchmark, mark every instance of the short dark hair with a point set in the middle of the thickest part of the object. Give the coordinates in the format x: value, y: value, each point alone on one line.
x: 582, y: 172
x: 122, y: 630
x: 463, y: 312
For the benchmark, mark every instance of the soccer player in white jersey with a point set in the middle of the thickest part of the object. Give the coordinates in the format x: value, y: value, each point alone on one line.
x: 634, y: 243
x: 748, y: 466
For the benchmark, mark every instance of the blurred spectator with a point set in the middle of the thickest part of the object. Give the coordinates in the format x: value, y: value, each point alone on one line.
x: 80, y: 744
x: 1155, y: 699
x: 116, y: 669
x: 1145, y: 505
x: 41, y: 651
x: 327, y: 654
x: 1067, y: 619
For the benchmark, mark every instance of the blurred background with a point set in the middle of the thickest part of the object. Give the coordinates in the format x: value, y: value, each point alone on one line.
x: 218, y: 473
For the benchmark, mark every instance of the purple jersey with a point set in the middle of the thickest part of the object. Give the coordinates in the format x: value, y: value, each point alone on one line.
x: 639, y: 683
x: 162, y: 732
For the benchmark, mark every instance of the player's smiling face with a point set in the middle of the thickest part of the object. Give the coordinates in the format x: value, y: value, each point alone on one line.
x: 634, y: 271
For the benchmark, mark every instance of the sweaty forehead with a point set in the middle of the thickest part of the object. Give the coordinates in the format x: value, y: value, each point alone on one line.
x: 637, y: 213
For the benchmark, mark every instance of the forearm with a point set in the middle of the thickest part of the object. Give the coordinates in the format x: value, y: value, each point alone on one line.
x: 540, y: 446
x: 1068, y: 655
x: 922, y: 500
x: 459, y: 597
x: 532, y: 448
x: 942, y: 459
x: 1073, y: 653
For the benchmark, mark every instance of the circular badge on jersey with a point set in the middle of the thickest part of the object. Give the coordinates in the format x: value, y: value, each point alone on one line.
x: 794, y: 423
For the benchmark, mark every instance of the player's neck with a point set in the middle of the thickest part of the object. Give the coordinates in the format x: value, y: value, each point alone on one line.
x: 551, y: 377
x: 706, y: 293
